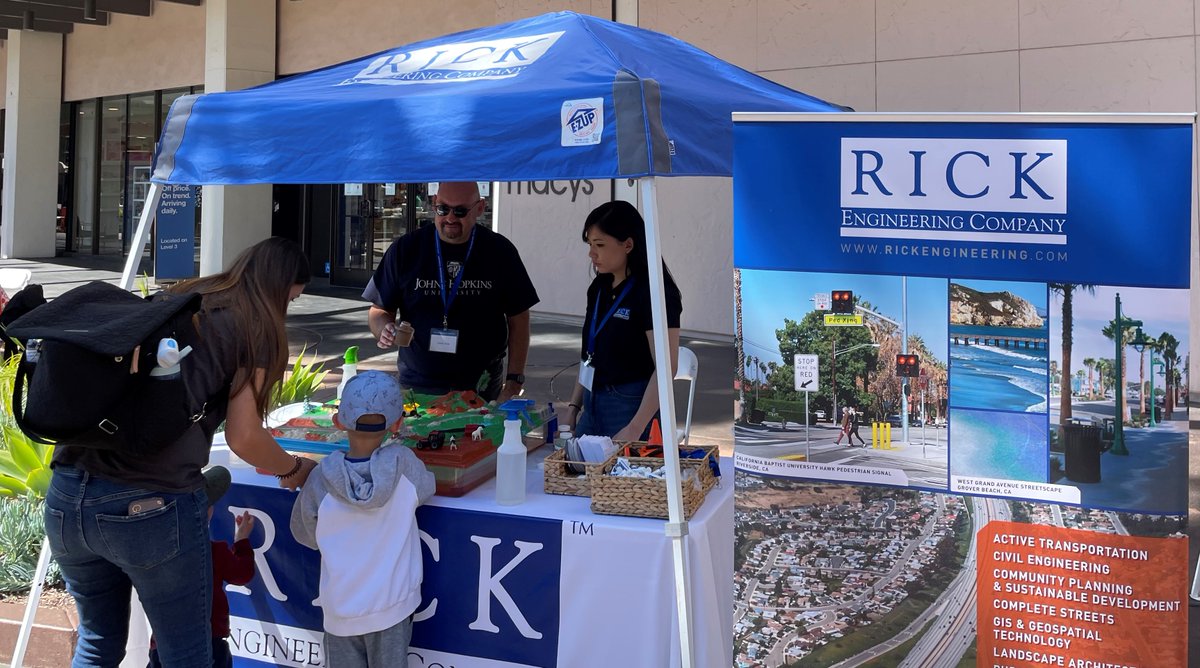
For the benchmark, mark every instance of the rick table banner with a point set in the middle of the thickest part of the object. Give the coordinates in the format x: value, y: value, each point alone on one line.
x: 993, y: 471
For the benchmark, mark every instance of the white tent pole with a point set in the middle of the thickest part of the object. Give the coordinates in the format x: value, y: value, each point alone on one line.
x: 676, y: 526
x: 138, y: 243
x: 35, y: 595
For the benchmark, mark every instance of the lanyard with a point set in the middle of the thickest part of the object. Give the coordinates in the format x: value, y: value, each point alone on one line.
x: 611, y: 310
x: 448, y: 299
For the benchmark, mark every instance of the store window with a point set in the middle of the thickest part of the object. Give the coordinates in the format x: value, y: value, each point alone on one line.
x: 84, y: 176
x: 372, y: 216
x: 168, y: 99
x: 112, y: 170
x: 139, y: 152
x: 106, y: 154
x: 62, y: 240
x: 1, y: 153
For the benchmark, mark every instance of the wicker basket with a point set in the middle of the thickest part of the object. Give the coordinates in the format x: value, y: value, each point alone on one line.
x: 647, y: 497
x: 558, y: 479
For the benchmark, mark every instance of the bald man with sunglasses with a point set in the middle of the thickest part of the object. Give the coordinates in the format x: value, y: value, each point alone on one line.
x: 467, y: 295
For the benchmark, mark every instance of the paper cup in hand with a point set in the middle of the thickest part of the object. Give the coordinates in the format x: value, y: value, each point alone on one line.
x: 404, y: 334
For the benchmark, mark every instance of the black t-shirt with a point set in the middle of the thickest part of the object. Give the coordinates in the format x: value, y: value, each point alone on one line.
x: 622, y: 352
x: 209, y: 371
x: 494, y: 287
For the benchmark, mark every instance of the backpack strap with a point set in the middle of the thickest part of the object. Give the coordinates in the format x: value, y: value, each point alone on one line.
x: 18, y: 405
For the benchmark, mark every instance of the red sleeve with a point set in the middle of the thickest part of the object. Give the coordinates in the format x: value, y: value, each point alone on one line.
x: 235, y: 567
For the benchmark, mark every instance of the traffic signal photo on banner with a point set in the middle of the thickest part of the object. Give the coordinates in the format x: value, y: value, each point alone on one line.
x: 843, y: 301
x: 908, y: 366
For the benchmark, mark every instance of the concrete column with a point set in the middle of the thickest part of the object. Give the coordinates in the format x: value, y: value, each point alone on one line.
x: 33, y: 102
x: 625, y: 11
x: 239, y: 52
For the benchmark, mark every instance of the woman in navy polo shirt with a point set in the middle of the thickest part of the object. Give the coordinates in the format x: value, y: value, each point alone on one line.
x: 617, y: 393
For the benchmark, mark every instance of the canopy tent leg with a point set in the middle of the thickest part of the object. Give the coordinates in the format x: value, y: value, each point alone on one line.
x: 676, y: 527
x: 140, y: 236
x: 35, y: 595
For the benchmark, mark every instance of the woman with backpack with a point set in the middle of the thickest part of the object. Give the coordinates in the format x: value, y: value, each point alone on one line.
x: 117, y: 522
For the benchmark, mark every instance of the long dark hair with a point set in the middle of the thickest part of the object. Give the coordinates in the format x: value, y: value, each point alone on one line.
x: 255, y: 290
x: 621, y: 220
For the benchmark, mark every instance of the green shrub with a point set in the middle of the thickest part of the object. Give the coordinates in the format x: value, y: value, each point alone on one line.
x: 21, y: 533
x: 24, y: 465
x: 303, y: 381
x: 144, y: 285
x: 775, y: 409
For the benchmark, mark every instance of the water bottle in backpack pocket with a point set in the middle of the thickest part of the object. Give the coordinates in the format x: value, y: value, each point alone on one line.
x: 88, y: 359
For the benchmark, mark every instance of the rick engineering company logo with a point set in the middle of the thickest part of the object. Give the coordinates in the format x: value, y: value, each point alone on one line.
x: 461, y: 61
x: 985, y: 191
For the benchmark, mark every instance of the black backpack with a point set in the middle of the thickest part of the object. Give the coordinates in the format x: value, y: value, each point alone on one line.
x: 87, y: 357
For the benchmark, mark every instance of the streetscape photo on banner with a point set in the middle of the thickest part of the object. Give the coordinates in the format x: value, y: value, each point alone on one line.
x: 857, y: 435
x: 1136, y: 369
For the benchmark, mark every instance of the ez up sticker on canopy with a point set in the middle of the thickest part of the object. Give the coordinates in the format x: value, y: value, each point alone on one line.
x: 582, y: 121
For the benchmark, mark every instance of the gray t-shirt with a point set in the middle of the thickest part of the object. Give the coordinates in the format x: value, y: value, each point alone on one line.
x: 209, y: 371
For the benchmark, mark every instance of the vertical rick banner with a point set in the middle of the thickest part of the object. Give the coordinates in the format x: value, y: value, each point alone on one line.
x: 1012, y: 335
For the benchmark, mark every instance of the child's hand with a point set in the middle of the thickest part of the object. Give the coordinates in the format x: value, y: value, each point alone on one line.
x: 245, y: 524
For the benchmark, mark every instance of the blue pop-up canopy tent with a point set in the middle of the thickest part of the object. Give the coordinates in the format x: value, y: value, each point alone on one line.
x: 558, y: 96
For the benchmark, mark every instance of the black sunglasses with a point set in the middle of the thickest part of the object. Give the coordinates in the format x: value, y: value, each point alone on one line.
x: 458, y: 211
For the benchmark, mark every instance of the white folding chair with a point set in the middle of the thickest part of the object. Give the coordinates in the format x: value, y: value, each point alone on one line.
x: 689, y: 366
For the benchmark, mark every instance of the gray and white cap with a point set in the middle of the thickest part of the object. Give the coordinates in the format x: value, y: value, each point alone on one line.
x: 371, y: 393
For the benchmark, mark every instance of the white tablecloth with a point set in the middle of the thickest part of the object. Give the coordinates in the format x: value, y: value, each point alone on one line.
x: 615, y: 584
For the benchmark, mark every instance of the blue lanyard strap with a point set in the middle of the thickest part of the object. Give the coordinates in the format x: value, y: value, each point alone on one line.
x: 448, y: 298
x: 595, y: 329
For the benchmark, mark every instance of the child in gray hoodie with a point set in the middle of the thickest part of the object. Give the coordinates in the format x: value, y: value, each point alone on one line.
x: 359, y: 509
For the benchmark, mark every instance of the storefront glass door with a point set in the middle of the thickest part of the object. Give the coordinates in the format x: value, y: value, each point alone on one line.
x: 373, y: 215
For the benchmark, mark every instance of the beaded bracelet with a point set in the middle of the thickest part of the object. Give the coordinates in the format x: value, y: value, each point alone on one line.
x: 294, y: 471
x: 575, y: 406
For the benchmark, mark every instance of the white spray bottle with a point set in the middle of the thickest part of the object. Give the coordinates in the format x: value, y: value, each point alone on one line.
x: 512, y: 455
x: 349, y: 368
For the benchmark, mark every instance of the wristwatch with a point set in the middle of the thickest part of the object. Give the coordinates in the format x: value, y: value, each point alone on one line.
x: 518, y: 378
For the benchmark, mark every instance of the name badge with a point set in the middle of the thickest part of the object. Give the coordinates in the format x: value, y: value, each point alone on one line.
x: 586, y: 373
x: 443, y: 340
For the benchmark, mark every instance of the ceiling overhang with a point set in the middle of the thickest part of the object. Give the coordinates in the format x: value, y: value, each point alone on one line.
x: 61, y: 16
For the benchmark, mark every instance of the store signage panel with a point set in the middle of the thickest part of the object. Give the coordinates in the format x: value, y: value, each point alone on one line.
x: 175, y: 233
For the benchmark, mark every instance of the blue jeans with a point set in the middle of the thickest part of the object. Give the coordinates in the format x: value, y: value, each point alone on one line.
x: 607, y: 409
x: 104, y: 552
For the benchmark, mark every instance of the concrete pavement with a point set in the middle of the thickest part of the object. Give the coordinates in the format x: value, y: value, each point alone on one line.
x: 325, y: 320
x: 923, y: 459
